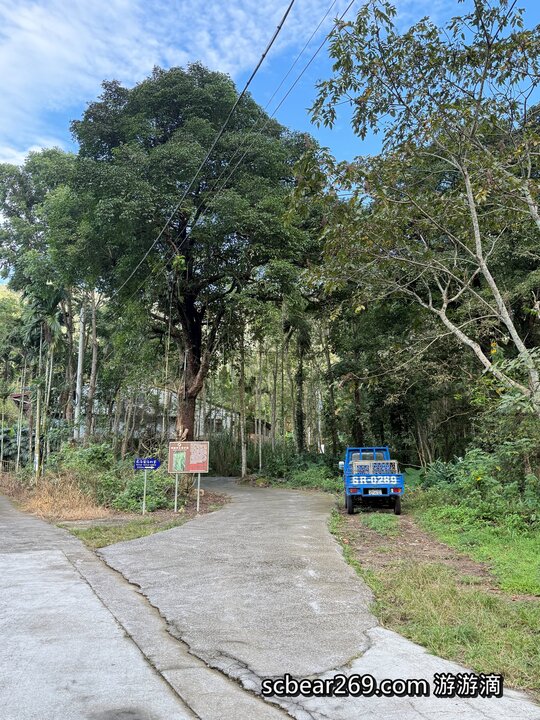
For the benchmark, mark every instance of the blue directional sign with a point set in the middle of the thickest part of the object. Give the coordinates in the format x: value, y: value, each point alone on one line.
x: 146, y: 464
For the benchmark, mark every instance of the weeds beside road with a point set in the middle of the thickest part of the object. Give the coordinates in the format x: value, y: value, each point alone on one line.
x: 100, y: 535
x: 99, y: 499
x: 439, y: 599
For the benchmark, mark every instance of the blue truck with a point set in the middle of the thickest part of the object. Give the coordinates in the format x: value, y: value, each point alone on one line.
x: 371, y: 477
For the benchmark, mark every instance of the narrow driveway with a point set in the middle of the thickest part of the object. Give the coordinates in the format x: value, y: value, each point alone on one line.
x: 260, y: 589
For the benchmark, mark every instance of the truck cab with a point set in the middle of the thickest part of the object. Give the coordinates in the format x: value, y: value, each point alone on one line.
x: 371, y: 477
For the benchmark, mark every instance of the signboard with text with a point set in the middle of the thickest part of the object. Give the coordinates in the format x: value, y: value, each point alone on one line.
x: 146, y: 464
x: 188, y: 456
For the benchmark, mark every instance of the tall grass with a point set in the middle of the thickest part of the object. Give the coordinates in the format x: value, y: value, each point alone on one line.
x: 61, y: 497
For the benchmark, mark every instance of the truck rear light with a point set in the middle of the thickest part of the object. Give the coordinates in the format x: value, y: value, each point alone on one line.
x: 353, y: 490
x: 396, y: 490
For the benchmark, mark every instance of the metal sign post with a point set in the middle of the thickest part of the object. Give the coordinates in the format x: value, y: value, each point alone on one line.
x: 144, y: 493
x: 198, y: 490
x: 176, y: 494
x: 145, y: 464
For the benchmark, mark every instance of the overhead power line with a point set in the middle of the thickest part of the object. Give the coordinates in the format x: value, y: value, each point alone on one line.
x: 206, y: 202
x: 212, y: 147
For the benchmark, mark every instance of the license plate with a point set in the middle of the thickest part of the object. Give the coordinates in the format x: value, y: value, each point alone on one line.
x: 375, y: 492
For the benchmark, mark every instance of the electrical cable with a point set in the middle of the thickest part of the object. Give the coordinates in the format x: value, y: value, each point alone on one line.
x: 164, y: 261
x: 268, y: 120
x: 212, y: 147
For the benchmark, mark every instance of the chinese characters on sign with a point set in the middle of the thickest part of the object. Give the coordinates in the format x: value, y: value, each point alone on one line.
x: 146, y: 464
x: 188, y: 457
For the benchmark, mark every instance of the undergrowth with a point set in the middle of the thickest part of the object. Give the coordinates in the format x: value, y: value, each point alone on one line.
x: 451, y: 615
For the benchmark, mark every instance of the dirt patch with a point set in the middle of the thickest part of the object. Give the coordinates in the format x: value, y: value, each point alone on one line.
x: 377, y: 552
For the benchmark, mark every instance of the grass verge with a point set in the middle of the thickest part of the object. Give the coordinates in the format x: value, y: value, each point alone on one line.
x: 513, y: 556
x: 53, y: 498
x: 98, y: 536
x: 455, y: 616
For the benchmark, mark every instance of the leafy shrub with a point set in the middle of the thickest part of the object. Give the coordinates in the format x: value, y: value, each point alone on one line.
x: 488, y: 487
x: 226, y: 457
x: 158, y: 490
x: 316, y: 476
x: 97, y: 456
x: 439, y: 473
x: 108, y: 486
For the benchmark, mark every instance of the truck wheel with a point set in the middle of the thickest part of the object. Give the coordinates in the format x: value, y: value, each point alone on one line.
x: 397, y: 506
x: 345, y: 500
x: 350, y: 505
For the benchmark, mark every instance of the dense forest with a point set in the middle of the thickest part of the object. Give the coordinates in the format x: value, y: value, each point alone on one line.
x: 275, y: 300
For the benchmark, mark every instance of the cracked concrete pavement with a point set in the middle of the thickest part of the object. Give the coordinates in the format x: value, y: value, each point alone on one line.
x: 79, y: 642
x: 260, y: 589
x: 203, y: 612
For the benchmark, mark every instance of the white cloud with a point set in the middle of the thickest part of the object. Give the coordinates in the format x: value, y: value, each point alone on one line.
x: 55, y: 53
x: 13, y: 156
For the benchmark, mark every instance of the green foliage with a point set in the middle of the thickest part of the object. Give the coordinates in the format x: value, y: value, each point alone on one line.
x: 279, y: 463
x: 439, y: 473
x: 91, y: 458
x: 225, y: 457
x: 113, y: 483
x: 307, y: 471
x: 317, y: 477
x: 383, y: 523
x: 489, y: 486
x: 512, y: 552
x: 158, y: 493
x: 109, y: 485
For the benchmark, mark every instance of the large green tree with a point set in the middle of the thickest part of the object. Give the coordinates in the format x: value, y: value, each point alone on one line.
x: 139, y: 151
x: 446, y: 216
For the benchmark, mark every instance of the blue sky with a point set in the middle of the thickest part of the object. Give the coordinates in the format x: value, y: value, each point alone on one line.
x: 55, y: 53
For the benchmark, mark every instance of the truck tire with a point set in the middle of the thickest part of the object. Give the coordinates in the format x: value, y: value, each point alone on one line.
x: 345, y: 500
x: 350, y: 505
x: 397, y: 506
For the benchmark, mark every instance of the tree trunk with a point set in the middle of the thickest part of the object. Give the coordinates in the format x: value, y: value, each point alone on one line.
x: 127, y: 424
x: 185, y: 419
x: 331, y: 415
x: 259, y: 406
x: 2, y: 436
x: 357, y: 430
x: 93, y: 373
x: 78, y: 396
x: 282, y: 404
x: 68, y: 404
x: 116, y: 423
x: 47, y: 406
x: 242, y: 397
x: 274, y: 401
x: 30, y: 415
x: 204, y: 410
x: 20, y: 416
x: 37, y: 444
x: 300, y: 418
x: 188, y: 392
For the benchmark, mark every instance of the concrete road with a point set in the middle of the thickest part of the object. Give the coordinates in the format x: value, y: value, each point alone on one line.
x: 62, y: 653
x: 260, y: 589
x: 78, y: 642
